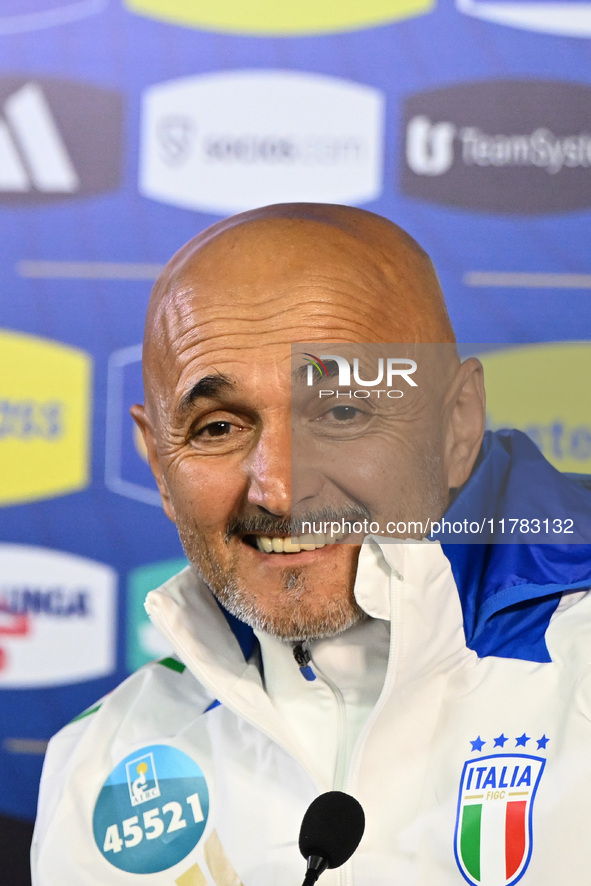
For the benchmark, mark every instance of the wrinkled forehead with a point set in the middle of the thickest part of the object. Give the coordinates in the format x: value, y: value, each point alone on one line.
x: 258, y: 258
x: 277, y: 281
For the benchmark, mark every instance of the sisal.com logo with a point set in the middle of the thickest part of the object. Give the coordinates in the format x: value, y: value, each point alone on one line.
x: 59, y: 139
x: 232, y: 140
x: 506, y: 146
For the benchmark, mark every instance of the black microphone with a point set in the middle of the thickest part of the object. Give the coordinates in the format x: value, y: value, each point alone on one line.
x: 330, y: 833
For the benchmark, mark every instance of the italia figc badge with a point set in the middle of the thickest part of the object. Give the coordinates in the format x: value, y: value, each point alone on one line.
x: 493, y: 833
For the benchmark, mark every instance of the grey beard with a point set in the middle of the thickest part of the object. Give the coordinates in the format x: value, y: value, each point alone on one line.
x: 293, y: 623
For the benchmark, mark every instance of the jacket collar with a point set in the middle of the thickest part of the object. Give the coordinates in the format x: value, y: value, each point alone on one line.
x: 509, y: 591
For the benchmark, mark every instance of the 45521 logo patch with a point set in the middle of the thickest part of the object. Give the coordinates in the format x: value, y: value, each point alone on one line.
x: 493, y: 833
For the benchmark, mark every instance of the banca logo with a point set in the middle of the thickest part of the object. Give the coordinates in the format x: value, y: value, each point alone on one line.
x: 58, y: 139
x: 57, y: 618
x: 227, y: 142
x: 506, y: 146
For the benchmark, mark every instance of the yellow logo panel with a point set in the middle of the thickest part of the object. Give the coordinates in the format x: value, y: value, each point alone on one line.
x: 543, y: 390
x: 278, y: 17
x: 44, y: 418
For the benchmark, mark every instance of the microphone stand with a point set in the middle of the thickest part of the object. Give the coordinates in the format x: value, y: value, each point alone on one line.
x: 316, y: 866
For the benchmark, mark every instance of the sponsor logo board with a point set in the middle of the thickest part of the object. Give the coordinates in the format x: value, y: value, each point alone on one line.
x: 569, y: 19
x: 505, y: 146
x: 144, y: 642
x: 127, y: 471
x: 268, y: 18
x: 536, y: 388
x: 45, y: 397
x: 58, y: 139
x: 57, y: 618
x: 227, y: 142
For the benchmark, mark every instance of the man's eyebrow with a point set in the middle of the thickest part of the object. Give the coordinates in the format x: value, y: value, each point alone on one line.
x: 300, y: 375
x: 210, y: 386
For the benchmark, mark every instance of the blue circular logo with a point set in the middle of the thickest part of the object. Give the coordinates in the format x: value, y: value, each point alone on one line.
x: 151, y: 811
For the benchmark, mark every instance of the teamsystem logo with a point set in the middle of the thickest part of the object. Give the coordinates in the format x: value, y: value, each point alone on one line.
x: 570, y: 19
x: 507, y: 146
x: 58, y: 139
x: 269, y: 18
x: 57, y: 618
x: 388, y: 370
x: 227, y: 142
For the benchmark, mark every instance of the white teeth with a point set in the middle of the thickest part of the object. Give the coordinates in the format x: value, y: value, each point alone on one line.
x: 279, y: 545
x: 290, y: 547
x: 311, y: 539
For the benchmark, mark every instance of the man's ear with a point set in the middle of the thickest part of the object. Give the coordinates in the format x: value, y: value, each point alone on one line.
x: 140, y: 416
x: 465, y: 409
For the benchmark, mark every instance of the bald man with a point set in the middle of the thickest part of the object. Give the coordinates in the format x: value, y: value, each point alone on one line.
x: 431, y: 681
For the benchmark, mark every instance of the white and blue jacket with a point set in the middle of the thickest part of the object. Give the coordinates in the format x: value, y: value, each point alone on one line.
x: 458, y: 714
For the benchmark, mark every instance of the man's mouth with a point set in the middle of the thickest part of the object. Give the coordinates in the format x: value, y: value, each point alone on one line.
x: 277, y: 544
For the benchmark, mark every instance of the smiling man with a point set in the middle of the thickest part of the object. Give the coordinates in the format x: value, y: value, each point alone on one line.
x: 218, y: 414
x: 431, y: 681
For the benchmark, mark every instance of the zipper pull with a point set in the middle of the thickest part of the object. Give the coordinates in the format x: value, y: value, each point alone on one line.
x: 302, y: 657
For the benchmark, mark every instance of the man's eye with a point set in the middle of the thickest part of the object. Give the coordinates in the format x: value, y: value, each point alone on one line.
x: 341, y: 421
x: 345, y: 413
x: 215, y: 429
x: 219, y: 436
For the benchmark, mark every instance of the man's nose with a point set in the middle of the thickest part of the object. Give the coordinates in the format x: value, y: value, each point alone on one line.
x: 269, y: 469
x: 313, y: 464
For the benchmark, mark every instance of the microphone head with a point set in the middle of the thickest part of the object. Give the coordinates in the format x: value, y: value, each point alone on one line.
x: 332, y: 828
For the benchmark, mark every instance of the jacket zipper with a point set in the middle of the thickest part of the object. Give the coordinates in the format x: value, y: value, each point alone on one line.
x: 338, y: 778
x: 346, y: 872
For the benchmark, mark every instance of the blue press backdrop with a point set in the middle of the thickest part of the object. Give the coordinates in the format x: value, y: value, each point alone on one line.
x: 471, y: 133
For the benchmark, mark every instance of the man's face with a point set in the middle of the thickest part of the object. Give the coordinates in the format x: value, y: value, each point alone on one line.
x: 367, y: 437
x: 220, y: 442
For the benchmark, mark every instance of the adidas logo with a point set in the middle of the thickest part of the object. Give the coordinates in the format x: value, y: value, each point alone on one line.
x: 58, y: 140
x: 32, y: 152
